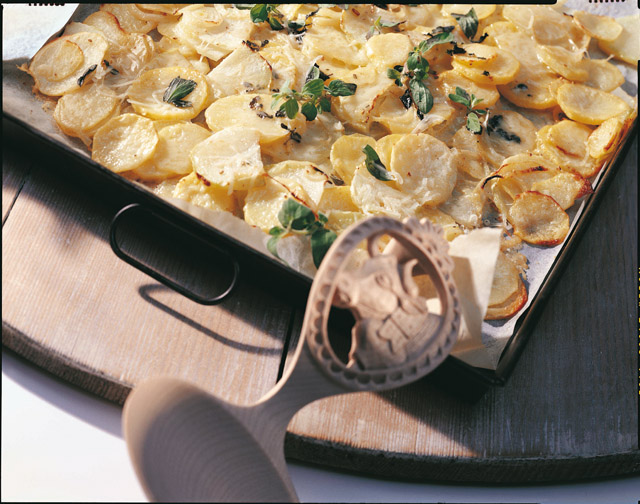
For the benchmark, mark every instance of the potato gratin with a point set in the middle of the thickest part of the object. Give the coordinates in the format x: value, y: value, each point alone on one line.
x: 305, y: 118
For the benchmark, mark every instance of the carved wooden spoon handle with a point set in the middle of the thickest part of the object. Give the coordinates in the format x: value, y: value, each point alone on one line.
x: 396, y: 339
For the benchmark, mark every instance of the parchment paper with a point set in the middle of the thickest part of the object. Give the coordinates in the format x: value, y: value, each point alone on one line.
x: 480, y: 343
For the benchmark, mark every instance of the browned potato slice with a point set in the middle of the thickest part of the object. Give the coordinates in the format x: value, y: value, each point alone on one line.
x: 605, y: 138
x: 506, y: 281
x: 146, y: 94
x: 626, y: 46
x: 538, y: 219
x: 564, y: 187
x: 588, y: 105
x: 59, y: 66
x: 125, y: 142
x: 127, y: 19
x: 599, y: 27
x: 509, y: 306
x: 500, y: 70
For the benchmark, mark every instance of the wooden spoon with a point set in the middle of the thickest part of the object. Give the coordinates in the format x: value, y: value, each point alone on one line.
x: 187, y: 445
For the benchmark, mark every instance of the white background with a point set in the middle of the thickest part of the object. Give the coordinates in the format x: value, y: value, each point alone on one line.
x: 60, y: 443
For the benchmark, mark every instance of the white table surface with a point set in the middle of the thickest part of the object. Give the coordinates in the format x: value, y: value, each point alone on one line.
x: 62, y: 444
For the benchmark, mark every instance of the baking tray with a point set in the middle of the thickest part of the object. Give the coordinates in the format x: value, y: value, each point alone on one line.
x: 456, y: 376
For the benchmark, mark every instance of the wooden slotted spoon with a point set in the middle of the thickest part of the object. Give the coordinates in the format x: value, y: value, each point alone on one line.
x: 187, y: 445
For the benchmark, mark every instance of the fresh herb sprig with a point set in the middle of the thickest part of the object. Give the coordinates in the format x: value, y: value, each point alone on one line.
x: 375, y: 166
x: 270, y: 14
x: 469, y: 25
x: 473, y: 121
x: 299, y: 219
x: 415, y: 71
x: 379, y: 25
x: 313, y: 99
x: 177, y: 90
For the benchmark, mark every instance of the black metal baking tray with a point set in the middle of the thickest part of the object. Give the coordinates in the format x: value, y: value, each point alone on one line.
x: 459, y: 378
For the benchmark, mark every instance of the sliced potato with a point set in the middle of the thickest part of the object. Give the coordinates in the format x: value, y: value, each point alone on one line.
x: 488, y: 93
x: 477, y: 55
x: 346, y: 155
x: 374, y: 197
x: 336, y: 198
x: 466, y: 203
x: 602, y: 75
x: 125, y: 142
x: 146, y: 94
x: 500, y: 70
x: 564, y: 187
x: 253, y: 111
x: 482, y: 11
x: 626, y: 47
x: 243, y: 71
x: 81, y: 113
x: 312, y: 180
x: 509, y: 306
x: 339, y: 220
x: 506, y: 281
x: 451, y: 228
x: 604, y: 138
x: 63, y: 65
x: 395, y: 117
x: 563, y: 62
x: 173, y: 142
x: 599, y: 27
x: 508, y: 133
x: 384, y: 147
x: 263, y: 203
x: 127, y: 19
x: 210, y: 33
x: 200, y: 192
x: 426, y: 167
x: 538, y: 219
x: 588, y: 105
x: 388, y: 49
x: 230, y: 158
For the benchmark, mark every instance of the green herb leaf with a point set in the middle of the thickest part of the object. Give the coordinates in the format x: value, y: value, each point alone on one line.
x: 421, y: 95
x: 340, y: 88
x: 473, y: 123
x: 468, y: 23
x: 275, y: 23
x: 290, y: 108
x: 259, y: 13
x: 441, y: 38
x: 309, y: 110
x: 375, y: 166
x: 296, y: 216
x: 272, y: 245
x: 313, y: 87
x: 324, y: 104
x: 177, y: 90
x: 394, y: 74
x: 321, y: 241
x: 459, y: 99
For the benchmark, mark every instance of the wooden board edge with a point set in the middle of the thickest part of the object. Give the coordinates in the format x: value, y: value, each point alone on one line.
x: 52, y: 361
x: 492, y: 470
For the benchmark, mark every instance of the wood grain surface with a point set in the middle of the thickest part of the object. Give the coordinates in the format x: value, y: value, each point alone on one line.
x: 568, y: 411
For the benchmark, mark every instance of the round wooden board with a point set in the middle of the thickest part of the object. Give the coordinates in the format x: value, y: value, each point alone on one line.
x: 569, y: 410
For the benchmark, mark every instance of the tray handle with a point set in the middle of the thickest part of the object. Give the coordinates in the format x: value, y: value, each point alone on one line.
x: 127, y: 210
